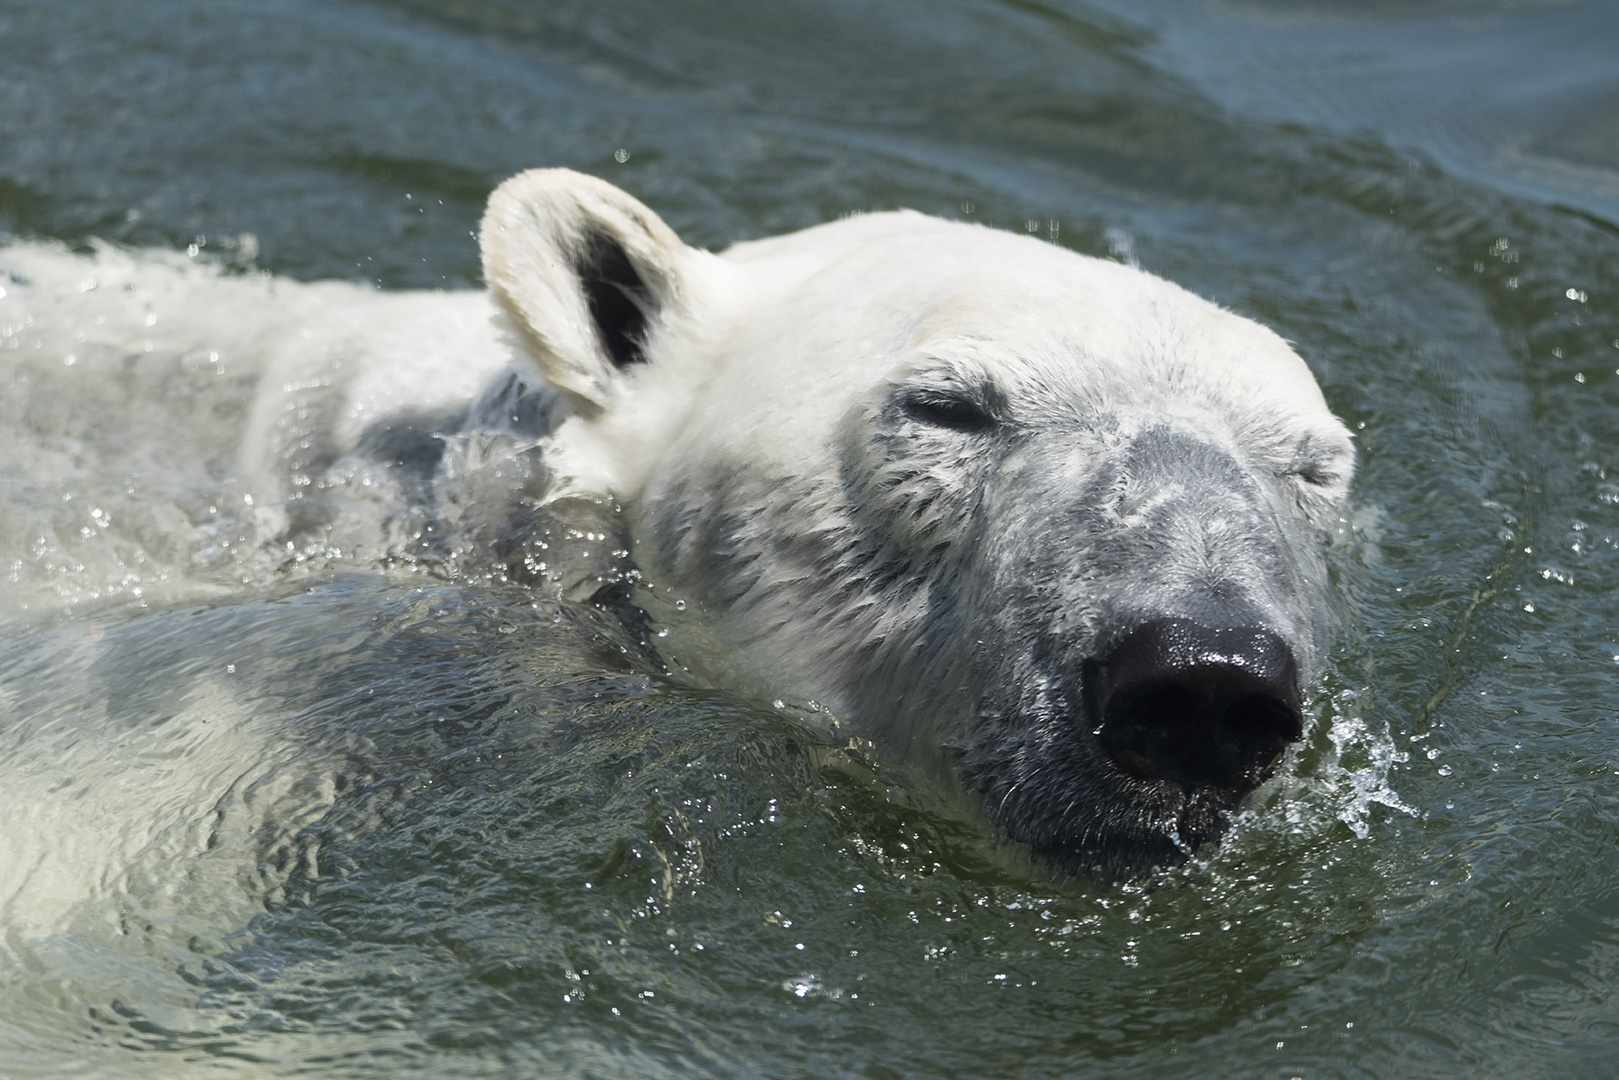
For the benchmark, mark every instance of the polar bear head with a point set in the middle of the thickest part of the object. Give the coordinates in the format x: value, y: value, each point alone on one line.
x: 1046, y: 524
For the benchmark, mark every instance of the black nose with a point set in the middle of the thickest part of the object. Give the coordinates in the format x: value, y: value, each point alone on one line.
x: 1198, y: 706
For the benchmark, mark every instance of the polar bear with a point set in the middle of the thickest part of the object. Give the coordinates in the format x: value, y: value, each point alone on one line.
x: 1046, y: 526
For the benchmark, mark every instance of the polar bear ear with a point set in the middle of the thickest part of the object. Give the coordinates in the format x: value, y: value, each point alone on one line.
x: 584, y: 271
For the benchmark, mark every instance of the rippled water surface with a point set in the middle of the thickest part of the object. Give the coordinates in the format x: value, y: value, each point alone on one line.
x: 345, y: 810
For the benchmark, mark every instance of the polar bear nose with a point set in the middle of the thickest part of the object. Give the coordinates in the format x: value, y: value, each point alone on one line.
x: 1195, y: 705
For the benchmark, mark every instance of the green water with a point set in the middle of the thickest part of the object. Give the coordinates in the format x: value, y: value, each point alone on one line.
x: 414, y: 822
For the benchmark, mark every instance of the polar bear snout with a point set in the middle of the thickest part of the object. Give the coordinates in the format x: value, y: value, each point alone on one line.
x: 1194, y: 705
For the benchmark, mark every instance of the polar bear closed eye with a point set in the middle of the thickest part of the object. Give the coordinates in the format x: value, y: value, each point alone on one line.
x: 1044, y: 524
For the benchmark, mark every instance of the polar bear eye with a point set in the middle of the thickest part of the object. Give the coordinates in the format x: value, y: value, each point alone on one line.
x: 955, y: 411
x: 1320, y: 466
x: 1328, y: 474
x: 1315, y: 475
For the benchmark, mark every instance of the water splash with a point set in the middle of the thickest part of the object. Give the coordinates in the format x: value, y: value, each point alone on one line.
x: 1362, y: 761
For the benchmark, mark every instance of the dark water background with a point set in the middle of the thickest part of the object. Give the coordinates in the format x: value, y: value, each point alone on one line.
x: 531, y: 859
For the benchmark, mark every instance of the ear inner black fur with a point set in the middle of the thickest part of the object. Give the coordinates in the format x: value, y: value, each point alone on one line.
x: 618, y: 298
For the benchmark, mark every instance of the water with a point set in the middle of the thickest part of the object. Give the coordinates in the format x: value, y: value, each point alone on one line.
x: 351, y: 810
